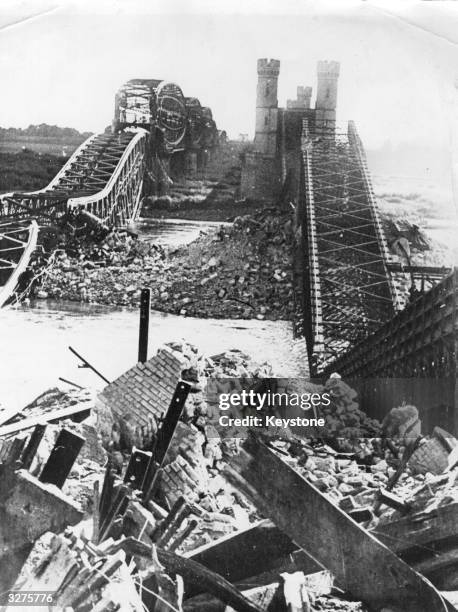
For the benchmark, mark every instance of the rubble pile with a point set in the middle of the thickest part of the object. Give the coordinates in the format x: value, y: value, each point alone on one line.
x: 109, y: 272
x: 347, y: 462
x: 53, y: 399
x: 137, y: 531
x: 353, y: 480
x: 241, y: 271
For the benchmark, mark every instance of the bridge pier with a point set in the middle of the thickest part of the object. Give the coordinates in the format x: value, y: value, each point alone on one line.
x: 191, y: 163
x: 260, y: 177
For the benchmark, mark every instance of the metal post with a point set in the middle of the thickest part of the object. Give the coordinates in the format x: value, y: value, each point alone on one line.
x: 86, y: 364
x: 145, y: 304
x: 137, y: 468
x: 167, y: 429
x: 164, y: 437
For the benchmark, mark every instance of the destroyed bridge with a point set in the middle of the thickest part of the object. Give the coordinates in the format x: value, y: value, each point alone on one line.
x: 356, y: 320
x: 352, y: 306
x: 154, y: 126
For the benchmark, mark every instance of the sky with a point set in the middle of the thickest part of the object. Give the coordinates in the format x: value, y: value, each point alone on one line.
x: 61, y: 62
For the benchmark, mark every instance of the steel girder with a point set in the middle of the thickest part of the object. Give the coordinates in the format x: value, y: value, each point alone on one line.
x: 349, y: 285
x: 18, y: 240
x: 419, y: 342
x: 104, y: 177
x: 153, y: 103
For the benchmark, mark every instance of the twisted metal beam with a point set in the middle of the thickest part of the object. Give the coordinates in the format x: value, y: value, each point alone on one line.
x: 103, y: 177
x: 17, y: 243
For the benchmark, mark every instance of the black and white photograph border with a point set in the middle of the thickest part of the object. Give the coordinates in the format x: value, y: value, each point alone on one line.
x: 229, y: 306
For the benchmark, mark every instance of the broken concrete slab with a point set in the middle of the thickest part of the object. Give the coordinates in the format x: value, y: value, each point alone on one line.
x: 28, y: 509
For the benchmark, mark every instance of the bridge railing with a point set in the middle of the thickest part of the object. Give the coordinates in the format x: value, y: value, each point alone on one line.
x: 119, y: 201
x: 419, y: 341
x: 313, y: 314
x: 412, y: 358
x: 357, y: 146
x: 115, y: 204
x: 34, y: 202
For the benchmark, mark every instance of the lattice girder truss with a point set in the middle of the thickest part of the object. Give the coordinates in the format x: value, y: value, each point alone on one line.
x: 104, y: 177
x: 351, y: 286
x: 13, y: 240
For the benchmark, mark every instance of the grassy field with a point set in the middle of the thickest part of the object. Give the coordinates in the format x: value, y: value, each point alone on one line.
x: 49, y: 146
x: 27, y: 171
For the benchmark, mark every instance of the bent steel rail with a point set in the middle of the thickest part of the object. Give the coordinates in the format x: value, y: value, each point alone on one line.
x: 103, y: 177
x: 11, y: 241
x: 118, y: 202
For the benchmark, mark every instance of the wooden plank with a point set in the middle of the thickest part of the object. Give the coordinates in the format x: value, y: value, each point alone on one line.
x: 15, y: 450
x: 46, y: 417
x: 263, y: 547
x: 178, y: 541
x: 190, y: 571
x: 62, y: 457
x: 361, y: 564
x: 107, y: 491
x: 118, y: 507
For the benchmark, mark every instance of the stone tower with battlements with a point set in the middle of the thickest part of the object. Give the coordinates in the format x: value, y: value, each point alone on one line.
x: 302, y: 102
x: 326, y: 96
x: 265, y: 140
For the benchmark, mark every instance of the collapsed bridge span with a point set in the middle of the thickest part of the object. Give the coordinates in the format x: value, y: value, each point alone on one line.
x: 104, y: 177
x: 107, y: 176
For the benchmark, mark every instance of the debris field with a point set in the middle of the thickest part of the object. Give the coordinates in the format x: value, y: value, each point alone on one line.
x: 131, y: 500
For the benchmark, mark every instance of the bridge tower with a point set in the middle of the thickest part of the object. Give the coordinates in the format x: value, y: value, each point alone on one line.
x: 265, y: 140
x: 326, y: 96
x: 302, y: 101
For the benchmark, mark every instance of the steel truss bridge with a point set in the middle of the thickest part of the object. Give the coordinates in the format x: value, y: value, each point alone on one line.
x: 355, y: 318
x: 104, y: 178
x: 412, y: 357
x: 348, y: 288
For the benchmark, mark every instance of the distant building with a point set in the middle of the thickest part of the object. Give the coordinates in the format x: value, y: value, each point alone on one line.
x: 276, y: 128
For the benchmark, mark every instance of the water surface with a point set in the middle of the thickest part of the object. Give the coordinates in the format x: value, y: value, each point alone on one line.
x: 34, y: 344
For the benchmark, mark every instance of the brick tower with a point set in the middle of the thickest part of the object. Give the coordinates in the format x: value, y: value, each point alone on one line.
x: 265, y: 139
x: 326, y: 96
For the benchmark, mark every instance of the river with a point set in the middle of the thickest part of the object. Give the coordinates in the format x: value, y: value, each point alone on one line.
x: 34, y: 339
